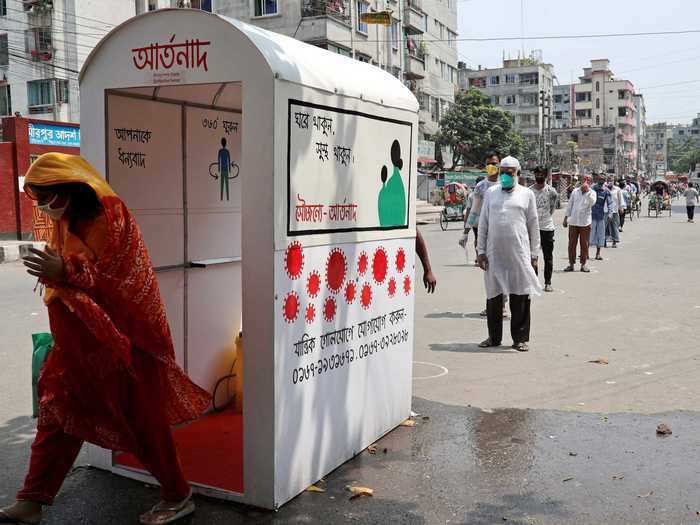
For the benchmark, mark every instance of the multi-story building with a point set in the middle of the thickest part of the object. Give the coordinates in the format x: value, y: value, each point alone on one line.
x: 561, y: 115
x: 681, y: 133
x: 641, y: 114
x: 419, y: 47
x: 515, y: 88
x: 601, y: 100
x: 594, y: 149
x: 43, y: 44
x: 658, y: 137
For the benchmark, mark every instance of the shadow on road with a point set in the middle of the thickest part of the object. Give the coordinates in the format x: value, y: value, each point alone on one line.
x: 470, y: 348
x: 454, y: 315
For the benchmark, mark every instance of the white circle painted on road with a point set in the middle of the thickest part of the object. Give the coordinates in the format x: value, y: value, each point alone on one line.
x: 443, y: 370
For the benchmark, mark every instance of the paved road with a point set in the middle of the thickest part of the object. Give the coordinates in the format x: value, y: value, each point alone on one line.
x: 471, y: 462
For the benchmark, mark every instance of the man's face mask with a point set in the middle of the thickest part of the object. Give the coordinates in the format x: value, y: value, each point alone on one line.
x: 491, y: 170
x: 507, y: 180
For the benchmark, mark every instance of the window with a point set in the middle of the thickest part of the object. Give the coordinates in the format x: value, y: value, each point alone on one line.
x: 3, y: 7
x: 597, y: 120
x: 435, y: 109
x: 452, y: 39
x: 495, y: 100
x: 4, y: 51
x: 574, y: 137
x: 494, y: 80
x: 528, y: 121
x: 38, y: 43
x: 583, y: 97
x: 5, y: 100
x: 694, y: 132
x: 583, y: 113
x: 558, y: 99
x: 40, y: 92
x: 621, y: 94
x: 529, y: 78
x: 510, y: 100
x: 597, y: 86
x: 395, y: 29
x: 423, y: 101
x: 528, y: 99
x: 204, y: 5
x: 622, y: 111
x: 477, y: 82
x: 362, y: 7
x: 363, y: 58
x: 152, y: 5
x: 265, y: 7
x: 681, y: 132
x: 63, y: 90
x: 510, y: 79
x: 558, y: 115
x: 339, y: 50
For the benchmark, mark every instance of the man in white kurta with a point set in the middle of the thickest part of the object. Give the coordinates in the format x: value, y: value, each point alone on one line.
x: 508, y: 247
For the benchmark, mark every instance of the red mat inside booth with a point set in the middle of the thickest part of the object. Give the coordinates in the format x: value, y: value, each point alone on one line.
x: 210, y: 449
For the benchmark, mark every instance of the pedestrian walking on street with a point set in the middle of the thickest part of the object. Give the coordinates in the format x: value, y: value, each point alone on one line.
x: 601, y: 215
x: 691, y: 199
x: 617, y: 208
x: 627, y: 201
x: 578, y: 220
x: 508, y: 248
x: 492, y: 172
x: 546, y: 198
x: 111, y: 378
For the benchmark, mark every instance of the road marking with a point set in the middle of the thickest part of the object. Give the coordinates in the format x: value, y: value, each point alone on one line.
x: 443, y: 370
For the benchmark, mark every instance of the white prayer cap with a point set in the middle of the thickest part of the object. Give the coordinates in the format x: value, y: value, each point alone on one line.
x: 510, y: 162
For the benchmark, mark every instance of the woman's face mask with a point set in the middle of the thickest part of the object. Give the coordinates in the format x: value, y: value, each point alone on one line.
x: 54, y: 213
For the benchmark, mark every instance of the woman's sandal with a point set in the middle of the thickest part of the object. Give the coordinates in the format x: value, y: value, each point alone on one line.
x: 164, y: 512
x: 9, y: 520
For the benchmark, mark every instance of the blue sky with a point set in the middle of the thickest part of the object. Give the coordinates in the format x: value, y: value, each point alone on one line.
x: 648, y: 61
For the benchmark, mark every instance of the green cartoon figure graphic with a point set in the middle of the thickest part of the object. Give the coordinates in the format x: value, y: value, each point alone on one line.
x: 392, y: 196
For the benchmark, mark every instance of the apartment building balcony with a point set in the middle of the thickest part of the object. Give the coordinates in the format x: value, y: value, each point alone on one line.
x: 415, y: 20
x: 629, y: 138
x: 336, y: 9
x: 414, y: 64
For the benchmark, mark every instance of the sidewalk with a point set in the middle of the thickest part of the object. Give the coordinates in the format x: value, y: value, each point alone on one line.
x: 11, y: 251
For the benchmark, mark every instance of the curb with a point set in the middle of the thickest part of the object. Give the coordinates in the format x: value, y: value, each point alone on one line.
x: 14, y: 252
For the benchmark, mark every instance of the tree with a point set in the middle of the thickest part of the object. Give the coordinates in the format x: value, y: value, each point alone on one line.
x: 683, y: 156
x: 472, y: 126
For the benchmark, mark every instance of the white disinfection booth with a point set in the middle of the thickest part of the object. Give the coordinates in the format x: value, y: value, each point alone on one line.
x: 273, y: 182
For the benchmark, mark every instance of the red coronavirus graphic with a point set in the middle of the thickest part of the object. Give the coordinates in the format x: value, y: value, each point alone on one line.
x: 380, y: 265
x: 362, y: 263
x: 350, y: 292
x: 400, y: 260
x: 313, y: 284
x: 336, y: 269
x: 291, y: 307
x: 294, y: 260
x: 407, y: 285
x: 310, y: 313
x: 366, y: 296
x: 391, y: 287
x: 329, y: 309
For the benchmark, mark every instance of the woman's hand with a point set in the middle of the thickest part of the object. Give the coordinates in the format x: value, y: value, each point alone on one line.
x: 45, y: 265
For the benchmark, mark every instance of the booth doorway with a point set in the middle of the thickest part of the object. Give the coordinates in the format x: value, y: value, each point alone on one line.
x: 174, y: 156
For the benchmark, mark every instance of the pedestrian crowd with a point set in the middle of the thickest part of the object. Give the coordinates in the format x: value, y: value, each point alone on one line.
x: 512, y: 224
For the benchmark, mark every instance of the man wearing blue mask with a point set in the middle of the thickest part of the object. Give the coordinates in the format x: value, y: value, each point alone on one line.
x: 508, y: 247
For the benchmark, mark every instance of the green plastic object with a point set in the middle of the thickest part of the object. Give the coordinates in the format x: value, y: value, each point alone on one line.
x: 43, y: 343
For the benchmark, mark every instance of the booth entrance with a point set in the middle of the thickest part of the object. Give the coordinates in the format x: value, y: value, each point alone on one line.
x: 186, y: 140
x: 274, y: 185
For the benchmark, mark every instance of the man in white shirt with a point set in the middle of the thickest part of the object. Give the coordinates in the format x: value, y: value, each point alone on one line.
x: 618, y: 207
x: 546, y: 197
x: 578, y: 220
x: 691, y: 199
x: 508, y: 247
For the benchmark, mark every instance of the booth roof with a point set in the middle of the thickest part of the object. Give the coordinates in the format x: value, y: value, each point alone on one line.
x: 295, y: 61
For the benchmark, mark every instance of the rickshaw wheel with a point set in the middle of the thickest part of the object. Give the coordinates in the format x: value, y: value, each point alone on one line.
x: 443, y: 221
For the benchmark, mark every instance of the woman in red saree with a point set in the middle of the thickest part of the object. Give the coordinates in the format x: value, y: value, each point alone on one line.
x: 111, y: 379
